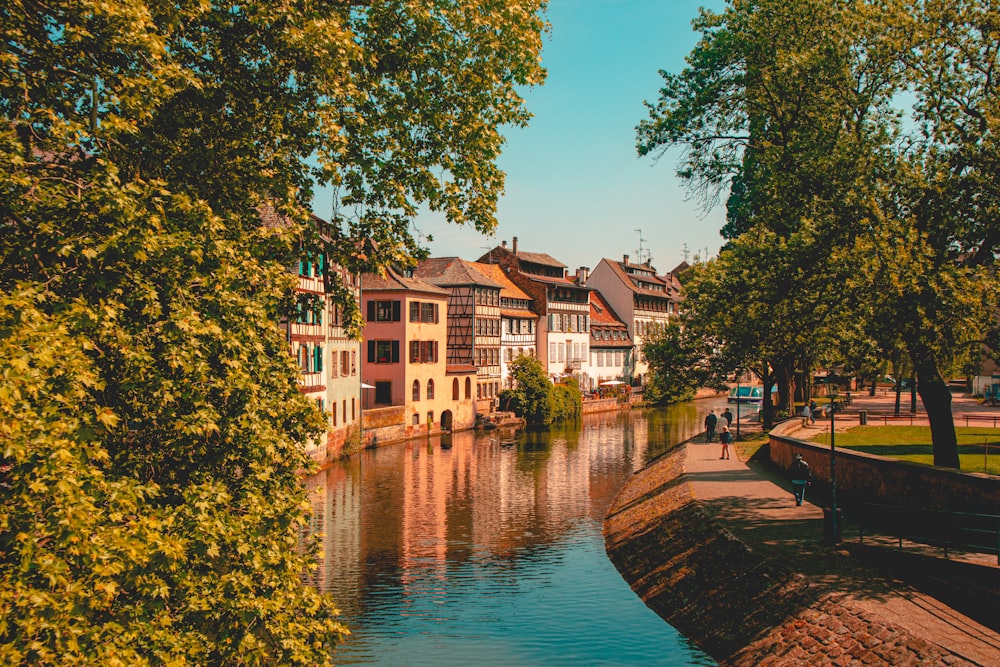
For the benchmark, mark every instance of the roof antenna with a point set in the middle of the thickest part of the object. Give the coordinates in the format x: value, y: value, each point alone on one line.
x: 642, y: 254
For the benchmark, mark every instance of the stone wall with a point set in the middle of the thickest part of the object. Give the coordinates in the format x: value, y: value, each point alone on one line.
x: 869, y: 478
x: 742, y: 606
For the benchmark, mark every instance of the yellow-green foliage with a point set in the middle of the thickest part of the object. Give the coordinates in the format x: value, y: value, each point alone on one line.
x: 150, y: 418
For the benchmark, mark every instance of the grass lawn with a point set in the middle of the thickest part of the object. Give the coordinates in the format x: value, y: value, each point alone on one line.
x: 749, y: 443
x: 913, y: 443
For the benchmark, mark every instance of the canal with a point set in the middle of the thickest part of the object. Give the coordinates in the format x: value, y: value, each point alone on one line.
x: 487, y: 550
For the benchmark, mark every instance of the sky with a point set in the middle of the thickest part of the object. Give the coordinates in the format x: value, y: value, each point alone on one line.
x: 575, y: 187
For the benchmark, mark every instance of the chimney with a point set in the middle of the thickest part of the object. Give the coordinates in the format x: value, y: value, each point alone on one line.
x: 582, y: 274
x: 514, y: 243
x: 503, y: 244
x: 625, y: 260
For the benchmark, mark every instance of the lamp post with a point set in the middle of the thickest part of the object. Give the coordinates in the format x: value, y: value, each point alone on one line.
x: 833, y: 534
x: 737, y: 404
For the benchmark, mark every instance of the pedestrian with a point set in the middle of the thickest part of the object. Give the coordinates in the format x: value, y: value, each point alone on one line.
x: 807, y: 414
x: 801, y: 478
x: 710, y: 421
x: 725, y: 437
x: 728, y: 416
x: 812, y: 411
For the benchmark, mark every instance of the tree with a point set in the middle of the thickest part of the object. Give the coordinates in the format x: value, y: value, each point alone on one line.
x: 530, y: 396
x: 679, y: 363
x: 150, y: 505
x: 787, y: 106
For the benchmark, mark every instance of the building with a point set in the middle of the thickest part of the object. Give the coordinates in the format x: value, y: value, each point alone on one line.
x: 473, y: 322
x: 518, y: 324
x: 326, y: 356
x: 643, y: 300
x: 610, y: 345
x: 413, y: 388
x: 563, y: 307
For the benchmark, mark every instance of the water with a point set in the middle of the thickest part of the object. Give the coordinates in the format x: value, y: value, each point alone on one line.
x: 479, y: 550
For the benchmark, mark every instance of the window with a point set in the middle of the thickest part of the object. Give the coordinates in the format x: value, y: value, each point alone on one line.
x: 382, y: 352
x: 383, y: 311
x: 454, y: 389
x: 345, y: 361
x: 552, y: 352
x: 383, y: 393
x: 416, y: 419
x: 468, y: 388
x: 414, y: 311
x: 416, y: 390
x: 430, y: 389
x: 429, y: 312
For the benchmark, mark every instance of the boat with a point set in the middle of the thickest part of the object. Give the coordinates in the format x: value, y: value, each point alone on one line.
x: 747, y: 394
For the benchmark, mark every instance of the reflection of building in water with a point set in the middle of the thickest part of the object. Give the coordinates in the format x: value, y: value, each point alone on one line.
x: 404, y: 520
x: 335, y: 500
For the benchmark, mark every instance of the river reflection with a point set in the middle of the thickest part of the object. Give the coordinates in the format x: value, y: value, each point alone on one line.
x: 487, y: 549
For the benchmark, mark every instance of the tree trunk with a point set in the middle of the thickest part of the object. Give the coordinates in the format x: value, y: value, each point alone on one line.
x: 899, y: 391
x: 913, y: 394
x: 937, y: 402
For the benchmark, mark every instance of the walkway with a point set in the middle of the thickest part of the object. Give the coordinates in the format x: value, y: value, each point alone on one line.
x: 758, y: 508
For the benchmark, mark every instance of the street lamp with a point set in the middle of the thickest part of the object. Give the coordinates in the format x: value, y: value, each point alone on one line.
x: 833, y: 532
x: 737, y: 404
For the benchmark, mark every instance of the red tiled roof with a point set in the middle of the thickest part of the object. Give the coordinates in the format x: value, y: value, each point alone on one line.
x: 514, y: 312
x: 602, y: 313
x: 631, y: 281
x: 495, y: 272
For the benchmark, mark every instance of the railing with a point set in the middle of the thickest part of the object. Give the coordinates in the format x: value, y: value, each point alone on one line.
x: 948, y: 529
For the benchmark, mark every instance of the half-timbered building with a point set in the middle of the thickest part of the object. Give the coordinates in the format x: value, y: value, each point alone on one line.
x: 563, y: 307
x: 518, y: 323
x: 473, y: 321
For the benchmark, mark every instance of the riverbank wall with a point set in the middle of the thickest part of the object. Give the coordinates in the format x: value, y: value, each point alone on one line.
x: 740, y: 604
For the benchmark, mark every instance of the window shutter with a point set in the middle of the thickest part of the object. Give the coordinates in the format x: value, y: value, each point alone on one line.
x: 395, y: 343
x: 371, y: 349
x: 371, y: 312
x: 318, y: 359
x: 395, y: 311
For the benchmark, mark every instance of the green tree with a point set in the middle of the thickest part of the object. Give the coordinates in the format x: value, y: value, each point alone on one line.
x: 530, y: 396
x: 565, y: 401
x: 150, y: 506
x: 679, y: 363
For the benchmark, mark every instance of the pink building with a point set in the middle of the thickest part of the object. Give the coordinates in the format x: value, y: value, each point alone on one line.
x: 412, y: 388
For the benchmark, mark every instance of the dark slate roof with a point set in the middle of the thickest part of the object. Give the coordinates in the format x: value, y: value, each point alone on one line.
x: 452, y: 272
x: 393, y: 280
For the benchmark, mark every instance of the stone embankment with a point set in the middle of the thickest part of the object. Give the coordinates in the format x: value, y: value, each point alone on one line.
x: 722, y: 553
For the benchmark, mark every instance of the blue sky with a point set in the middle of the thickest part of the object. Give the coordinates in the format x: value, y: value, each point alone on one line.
x: 575, y: 186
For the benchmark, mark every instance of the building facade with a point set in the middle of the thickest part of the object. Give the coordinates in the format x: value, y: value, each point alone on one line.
x: 412, y: 390
x: 610, y: 345
x: 644, y: 301
x: 326, y: 356
x: 562, y: 306
x: 518, y: 323
x: 473, y: 322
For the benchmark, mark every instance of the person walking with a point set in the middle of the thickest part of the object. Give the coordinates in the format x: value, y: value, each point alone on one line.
x: 728, y: 416
x: 725, y: 437
x: 801, y: 476
x: 807, y: 414
x: 812, y: 412
x: 710, y: 422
